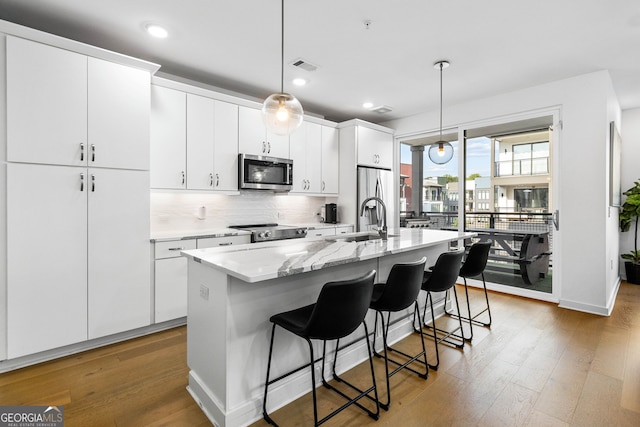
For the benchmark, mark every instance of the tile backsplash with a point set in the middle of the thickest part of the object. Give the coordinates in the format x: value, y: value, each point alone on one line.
x: 175, y: 211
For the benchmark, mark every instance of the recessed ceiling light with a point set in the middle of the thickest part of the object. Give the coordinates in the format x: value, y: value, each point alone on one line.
x: 367, y: 105
x: 299, y: 82
x: 157, y: 31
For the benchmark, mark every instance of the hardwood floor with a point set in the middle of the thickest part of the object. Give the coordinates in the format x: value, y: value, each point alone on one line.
x: 538, y: 365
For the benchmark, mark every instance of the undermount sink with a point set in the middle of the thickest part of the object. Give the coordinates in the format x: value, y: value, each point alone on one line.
x: 358, y: 237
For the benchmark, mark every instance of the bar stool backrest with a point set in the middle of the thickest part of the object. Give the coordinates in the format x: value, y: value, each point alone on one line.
x: 340, y: 308
x: 476, y: 260
x: 445, y: 273
x: 402, y: 286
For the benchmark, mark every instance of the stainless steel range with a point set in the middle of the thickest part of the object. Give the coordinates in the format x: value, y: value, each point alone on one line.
x: 269, y: 232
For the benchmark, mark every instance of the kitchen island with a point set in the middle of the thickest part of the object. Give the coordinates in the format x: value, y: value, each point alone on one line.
x: 233, y: 291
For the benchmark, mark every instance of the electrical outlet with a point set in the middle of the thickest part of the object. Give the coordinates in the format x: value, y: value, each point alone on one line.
x: 204, y: 292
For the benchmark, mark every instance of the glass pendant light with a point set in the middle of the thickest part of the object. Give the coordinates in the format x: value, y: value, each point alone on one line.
x: 440, y: 152
x: 281, y: 112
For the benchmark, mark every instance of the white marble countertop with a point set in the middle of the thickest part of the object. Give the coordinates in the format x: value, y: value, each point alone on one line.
x: 269, y: 260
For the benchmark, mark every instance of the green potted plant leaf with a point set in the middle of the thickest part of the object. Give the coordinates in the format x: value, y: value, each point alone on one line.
x: 630, y: 214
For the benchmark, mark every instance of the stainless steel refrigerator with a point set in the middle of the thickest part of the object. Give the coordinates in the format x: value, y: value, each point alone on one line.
x: 374, y: 182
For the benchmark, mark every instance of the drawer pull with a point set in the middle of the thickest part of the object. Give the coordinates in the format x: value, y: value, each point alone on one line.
x: 225, y: 244
x: 176, y: 249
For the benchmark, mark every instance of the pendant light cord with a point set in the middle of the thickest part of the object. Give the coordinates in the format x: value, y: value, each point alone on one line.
x: 282, y: 47
x: 441, y: 66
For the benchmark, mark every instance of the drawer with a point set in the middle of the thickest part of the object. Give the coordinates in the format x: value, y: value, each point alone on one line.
x: 319, y: 232
x: 212, y: 242
x: 344, y: 230
x: 172, y: 248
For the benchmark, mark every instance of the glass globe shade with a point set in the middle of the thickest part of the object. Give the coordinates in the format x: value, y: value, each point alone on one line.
x: 440, y: 152
x: 282, y: 113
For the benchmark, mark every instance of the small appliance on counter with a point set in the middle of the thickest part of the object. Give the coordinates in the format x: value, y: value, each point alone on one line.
x: 331, y: 213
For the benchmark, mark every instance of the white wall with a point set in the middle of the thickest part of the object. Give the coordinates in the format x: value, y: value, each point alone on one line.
x: 583, y: 246
x: 630, y: 135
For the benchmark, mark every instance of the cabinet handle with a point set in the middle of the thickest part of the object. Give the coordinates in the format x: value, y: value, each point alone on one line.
x: 308, y: 184
x: 82, y: 151
x: 268, y: 148
x: 183, y: 177
x: 323, y: 185
x: 210, y: 180
x: 176, y: 249
x: 264, y: 147
x: 81, y: 182
x: 93, y: 152
x: 93, y: 183
x: 225, y: 244
x: 217, y: 179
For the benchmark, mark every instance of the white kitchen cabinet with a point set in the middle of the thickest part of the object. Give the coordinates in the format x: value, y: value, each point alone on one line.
x: 212, y: 144
x: 375, y: 147
x: 46, y: 104
x: 321, y: 232
x: 119, y: 281
x: 67, y: 109
x: 46, y: 258
x: 253, y: 137
x: 306, y: 150
x: 200, y: 136
x: 171, y: 279
x: 212, y: 242
x: 168, y: 138
x: 344, y: 229
x: 87, y: 275
x: 330, y: 160
x: 119, y: 99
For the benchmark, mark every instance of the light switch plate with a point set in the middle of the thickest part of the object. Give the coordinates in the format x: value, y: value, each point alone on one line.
x: 204, y: 292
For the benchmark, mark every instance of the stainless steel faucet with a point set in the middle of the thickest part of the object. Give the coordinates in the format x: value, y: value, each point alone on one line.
x: 382, y: 231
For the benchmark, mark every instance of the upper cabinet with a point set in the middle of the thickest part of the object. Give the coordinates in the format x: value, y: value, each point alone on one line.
x: 194, y: 141
x: 168, y: 138
x: 89, y: 112
x: 330, y: 160
x: 212, y: 144
x: 253, y: 137
x: 375, y: 147
x: 306, y: 150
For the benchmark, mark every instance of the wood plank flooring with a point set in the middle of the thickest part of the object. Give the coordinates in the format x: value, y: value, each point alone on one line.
x: 538, y: 365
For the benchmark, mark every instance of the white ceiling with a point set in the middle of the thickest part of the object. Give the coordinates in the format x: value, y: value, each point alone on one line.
x: 494, y: 46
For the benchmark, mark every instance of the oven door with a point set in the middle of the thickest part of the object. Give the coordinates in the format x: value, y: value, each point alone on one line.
x: 264, y: 173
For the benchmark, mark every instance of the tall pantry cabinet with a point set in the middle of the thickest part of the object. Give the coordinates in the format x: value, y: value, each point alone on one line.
x: 77, y: 197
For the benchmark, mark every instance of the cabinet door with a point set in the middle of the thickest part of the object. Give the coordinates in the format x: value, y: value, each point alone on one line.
x: 119, y: 280
x: 168, y: 138
x: 298, y: 153
x: 305, y: 151
x: 375, y: 148
x: 119, y: 109
x: 252, y: 138
x: 46, y: 258
x: 225, y: 156
x: 314, y: 156
x: 200, y: 140
x: 330, y: 160
x: 170, y: 289
x: 46, y: 104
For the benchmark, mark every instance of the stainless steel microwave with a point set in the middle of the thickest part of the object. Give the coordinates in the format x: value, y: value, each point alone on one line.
x: 264, y: 173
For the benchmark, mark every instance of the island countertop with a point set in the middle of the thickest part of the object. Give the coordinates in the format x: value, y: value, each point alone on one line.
x: 257, y: 262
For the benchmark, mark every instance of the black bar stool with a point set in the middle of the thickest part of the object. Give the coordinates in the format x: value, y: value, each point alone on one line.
x: 474, y: 264
x: 399, y: 292
x: 441, y: 278
x: 341, y: 307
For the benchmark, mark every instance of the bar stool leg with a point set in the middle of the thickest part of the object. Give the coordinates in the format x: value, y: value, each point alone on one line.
x: 266, y: 416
